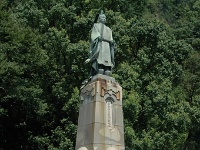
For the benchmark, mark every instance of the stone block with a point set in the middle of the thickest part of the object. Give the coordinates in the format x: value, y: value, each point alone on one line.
x: 81, y: 116
x: 99, y: 146
x: 83, y: 148
x: 89, y: 134
x: 113, y: 136
x: 118, y: 112
x: 120, y: 147
x: 111, y: 147
x: 81, y: 136
x: 102, y: 77
x: 99, y: 112
x: 121, y: 132
x: 100, y: 124
x: 99, y: 135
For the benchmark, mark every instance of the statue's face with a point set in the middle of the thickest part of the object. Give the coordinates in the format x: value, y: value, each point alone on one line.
x: 102, y: 18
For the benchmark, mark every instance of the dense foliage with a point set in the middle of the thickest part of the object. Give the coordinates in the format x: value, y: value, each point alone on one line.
x: 43, y: 46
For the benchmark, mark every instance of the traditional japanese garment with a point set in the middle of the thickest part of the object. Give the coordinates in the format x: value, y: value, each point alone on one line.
x: 102, y: 46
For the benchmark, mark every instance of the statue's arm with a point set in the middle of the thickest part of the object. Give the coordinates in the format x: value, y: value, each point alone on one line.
x: 95, y: 33
x: 112, y: 50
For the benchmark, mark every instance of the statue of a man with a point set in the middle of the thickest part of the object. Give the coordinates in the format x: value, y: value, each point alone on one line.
x: 101, y: 47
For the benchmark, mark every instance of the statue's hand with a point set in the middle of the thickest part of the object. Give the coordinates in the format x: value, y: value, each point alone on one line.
x: 100, y: 38
x: 87, y: 61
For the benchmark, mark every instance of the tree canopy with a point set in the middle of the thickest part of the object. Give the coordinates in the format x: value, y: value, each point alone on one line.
x: 43, y: 46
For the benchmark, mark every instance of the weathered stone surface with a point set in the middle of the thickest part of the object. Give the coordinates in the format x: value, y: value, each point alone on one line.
x: 100, y: 77
x: 99, y: 116
x: 100, y: 124
x: 82, y: 148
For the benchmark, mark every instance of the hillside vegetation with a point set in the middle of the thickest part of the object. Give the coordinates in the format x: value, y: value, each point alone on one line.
x: 43, y: 46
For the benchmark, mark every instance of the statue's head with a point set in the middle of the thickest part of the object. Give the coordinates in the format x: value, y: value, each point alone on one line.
x: 102, y: 17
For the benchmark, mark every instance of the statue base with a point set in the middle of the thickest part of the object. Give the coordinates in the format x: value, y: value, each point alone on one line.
x: 100, y: 123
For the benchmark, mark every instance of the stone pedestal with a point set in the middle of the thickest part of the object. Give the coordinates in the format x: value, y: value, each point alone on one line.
x: 100, y: 123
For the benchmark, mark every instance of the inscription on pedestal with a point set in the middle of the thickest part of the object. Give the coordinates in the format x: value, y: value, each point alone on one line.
x: 109, y: 114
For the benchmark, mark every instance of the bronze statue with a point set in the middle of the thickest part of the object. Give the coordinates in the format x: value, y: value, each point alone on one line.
x: 101, y: 48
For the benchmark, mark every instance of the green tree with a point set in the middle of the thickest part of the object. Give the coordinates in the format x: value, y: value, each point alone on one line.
x: 43, y: 46
x: 191, y: 84
x: 22, y: 60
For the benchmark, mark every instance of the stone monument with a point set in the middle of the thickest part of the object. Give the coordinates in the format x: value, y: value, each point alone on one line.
x: 100, y: 123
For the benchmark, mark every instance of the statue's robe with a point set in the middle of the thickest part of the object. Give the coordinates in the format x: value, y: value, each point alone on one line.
x: 102, y: 46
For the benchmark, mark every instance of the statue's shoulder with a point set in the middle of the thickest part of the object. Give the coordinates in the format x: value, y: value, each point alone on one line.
x: 108, y: 27
x: 97, y: 24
